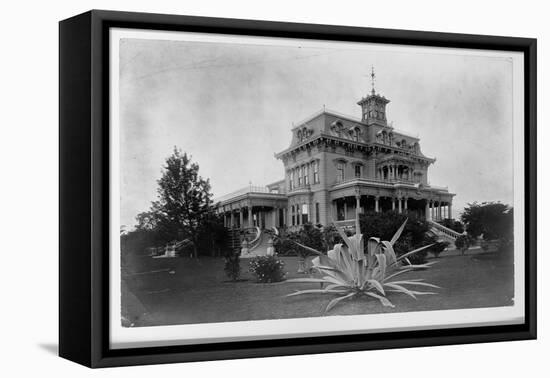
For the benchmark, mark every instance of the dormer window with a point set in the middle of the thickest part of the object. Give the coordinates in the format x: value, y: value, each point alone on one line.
x: 303, y: 133
x: 337, y: 128
x: 355, y: 133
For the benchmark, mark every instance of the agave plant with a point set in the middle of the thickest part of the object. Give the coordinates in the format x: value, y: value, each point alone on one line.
x: 348, y: 272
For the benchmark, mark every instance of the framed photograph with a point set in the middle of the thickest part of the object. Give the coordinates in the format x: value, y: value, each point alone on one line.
x: 234, y: 188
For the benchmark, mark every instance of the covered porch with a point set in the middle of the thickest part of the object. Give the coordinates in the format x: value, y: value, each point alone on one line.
x: 254, y: 209
x: 347, y: 205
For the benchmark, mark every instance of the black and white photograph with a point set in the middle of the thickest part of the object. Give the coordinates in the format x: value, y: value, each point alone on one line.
x: 265, y: 186
x: 274, y: 189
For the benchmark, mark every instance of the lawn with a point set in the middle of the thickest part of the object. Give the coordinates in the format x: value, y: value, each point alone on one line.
x: 187, y: 291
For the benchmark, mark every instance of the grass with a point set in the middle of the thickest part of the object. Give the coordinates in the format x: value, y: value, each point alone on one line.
x: 188, y: 291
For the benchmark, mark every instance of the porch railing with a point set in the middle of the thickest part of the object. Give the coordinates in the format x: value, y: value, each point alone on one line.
x: 242, y: 191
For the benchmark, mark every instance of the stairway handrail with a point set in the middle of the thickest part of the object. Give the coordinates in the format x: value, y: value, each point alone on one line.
x: 256, y: 241
x: 444, y: 229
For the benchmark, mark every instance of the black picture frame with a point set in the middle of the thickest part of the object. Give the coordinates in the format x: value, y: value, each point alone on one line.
x: 84, y: 191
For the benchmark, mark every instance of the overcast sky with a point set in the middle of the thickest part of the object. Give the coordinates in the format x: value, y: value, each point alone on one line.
x: 232, y: 107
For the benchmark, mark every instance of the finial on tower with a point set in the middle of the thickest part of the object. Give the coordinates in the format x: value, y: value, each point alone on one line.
x: 372, y: 77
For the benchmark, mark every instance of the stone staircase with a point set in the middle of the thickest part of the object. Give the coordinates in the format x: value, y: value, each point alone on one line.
x: 443, y: 233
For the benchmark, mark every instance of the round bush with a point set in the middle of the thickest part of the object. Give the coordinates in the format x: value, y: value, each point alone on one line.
x: 267, y: 269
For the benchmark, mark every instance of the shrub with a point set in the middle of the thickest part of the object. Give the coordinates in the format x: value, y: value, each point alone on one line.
x: 353, y: 270
x: 439, y: 247
x: 232, y: 266
x: 414, y: 235
x: 316, y: 237
x: 463, y: 242
x: 283, y: 245
x: 267, y: 269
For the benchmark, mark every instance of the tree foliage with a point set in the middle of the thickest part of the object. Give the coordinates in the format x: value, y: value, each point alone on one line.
x: 453, y: 224
x: 463, y: 242
x: 184, y: 198
x: 492, y: 220
x: 183, y: 208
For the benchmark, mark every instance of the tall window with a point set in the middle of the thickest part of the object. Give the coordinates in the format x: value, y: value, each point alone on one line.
x: 306, y: 174
x: 339, y: 172
x: 317, y: 212
x: 316, y: 172
x: 291, y: 179
x: 355, y: 132
x: 300, y: 174
x: 357, y: 170
x: 292, y: 210
x: 305, y: 213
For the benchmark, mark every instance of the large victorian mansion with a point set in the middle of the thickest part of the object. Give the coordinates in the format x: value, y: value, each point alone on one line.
x: 337, y: 167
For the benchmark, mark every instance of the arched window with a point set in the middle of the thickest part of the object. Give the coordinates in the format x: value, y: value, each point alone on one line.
x: 356, y: 133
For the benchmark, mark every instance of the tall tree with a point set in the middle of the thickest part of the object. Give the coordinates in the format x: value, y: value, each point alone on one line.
x: 184, y: 199
x: 493, y: 220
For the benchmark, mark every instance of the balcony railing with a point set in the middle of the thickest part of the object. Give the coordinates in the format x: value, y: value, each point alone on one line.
x: 246, y: 190
x: 376, y: 181
x: 360, y: 180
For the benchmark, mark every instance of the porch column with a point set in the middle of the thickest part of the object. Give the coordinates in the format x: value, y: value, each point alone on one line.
x: 232, y: 221
x: 428, y: 210
x: 439, y: 211
x: 450, y: 210
x: 406, y: 200
x: 241, y: 218
x: 357, y: 205
x: 345, y: 209
x: 393, y: 203
x: 289, y: 216
x: 275, y: 213
x: 399, y: 205
x: 376, y: 204
x: 250, y: 218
